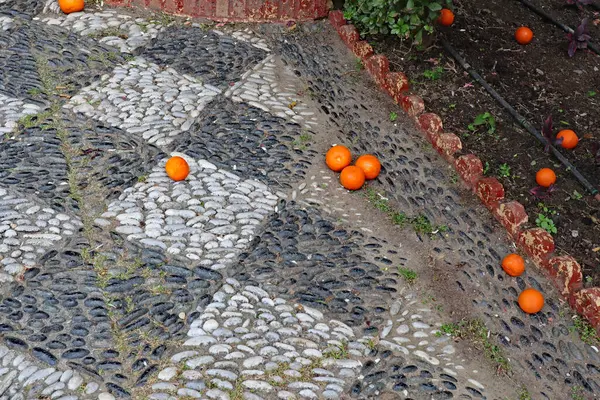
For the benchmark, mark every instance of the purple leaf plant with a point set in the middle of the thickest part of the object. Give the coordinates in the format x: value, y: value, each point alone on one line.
x: 579, y: 3
x: 579, y: 39
x: 547, y: 132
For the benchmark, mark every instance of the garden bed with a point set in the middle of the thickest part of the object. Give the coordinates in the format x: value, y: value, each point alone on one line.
x: 538, y: 80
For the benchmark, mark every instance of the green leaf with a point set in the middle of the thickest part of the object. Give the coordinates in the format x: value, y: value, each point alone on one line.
x: 419, y: 36
x: 434, y: 6
x: 479, y: 120
x: 410, y: 4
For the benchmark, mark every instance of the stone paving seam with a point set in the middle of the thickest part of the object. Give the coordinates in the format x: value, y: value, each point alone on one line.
x: 563, y: 271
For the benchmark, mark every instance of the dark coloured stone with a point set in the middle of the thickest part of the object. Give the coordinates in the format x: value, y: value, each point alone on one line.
x: 146, y: 375
x: 251, y: 146
x: 208, y: 274
x: 75, y: 353
x: 215, y: 59
x: 109, y: 365
x: 44, y: 355
x: 15, y: 343
x: 117, y: 390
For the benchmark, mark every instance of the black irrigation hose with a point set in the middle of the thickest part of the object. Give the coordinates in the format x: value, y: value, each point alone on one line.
x: 570, y: 167
x: 550, y: 18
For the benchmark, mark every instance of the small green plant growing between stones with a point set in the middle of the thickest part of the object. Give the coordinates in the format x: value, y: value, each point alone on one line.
x: 485, y: 120
x: 408, y: 275
x: 393, y: 116
x: 420, y: 223
x: 359, y: 65
x: 371, y: 344
x: 475, y: 331
x: 448, y: 329
x: 524, y: 394
x: 338, y: 352
x: 30, y: 120
x: 34, y: 91
x: 142, y: 178
x: 577, y: 393
x: 110, y: 31
x: 586, y: 332
x: 302, y: 141
x: 399, y: 218
x: 378, y: 201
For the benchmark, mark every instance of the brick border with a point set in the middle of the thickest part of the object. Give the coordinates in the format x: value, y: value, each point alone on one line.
x: 563, y: 271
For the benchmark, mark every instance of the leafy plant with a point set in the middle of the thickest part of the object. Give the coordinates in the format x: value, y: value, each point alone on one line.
x: 591, y: 93
x: 586, y: 332
x: 545, y: 223
x: 476, y: 332
x: 409, y: 19
x: 579, y: 39
x: 504, y: 171
x: 486, y: 168
x: 408, y: 275
x: 434, y: 73
x: 579, y: 3
x: 393, y: 116
x: 487, y: 120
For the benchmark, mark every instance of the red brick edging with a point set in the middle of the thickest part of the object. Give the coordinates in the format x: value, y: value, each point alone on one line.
x: 564, y: 271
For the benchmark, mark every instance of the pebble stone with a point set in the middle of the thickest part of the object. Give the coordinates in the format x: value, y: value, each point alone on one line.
x: 144, y: 99
x: 209, y: 217
x: 279, y: 95
x: 27, y: 231
x: 266, y: 368
x: 109, y: 27
x: 11, y: 109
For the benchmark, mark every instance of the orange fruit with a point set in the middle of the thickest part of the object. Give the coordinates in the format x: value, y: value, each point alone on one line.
x: 513, y: 264
x: 338, y: 157
x: 446, y: 17
x: 524, y: 35
x: 569, y: 138
x: 352, y: 177
x: 370, y: 165
x: 71, y: 6
x: 545, y: 177
x: 177, y: 168
x: 531, y: 301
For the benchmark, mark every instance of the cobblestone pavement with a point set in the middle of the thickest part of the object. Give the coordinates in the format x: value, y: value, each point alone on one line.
x: 258, y: 276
